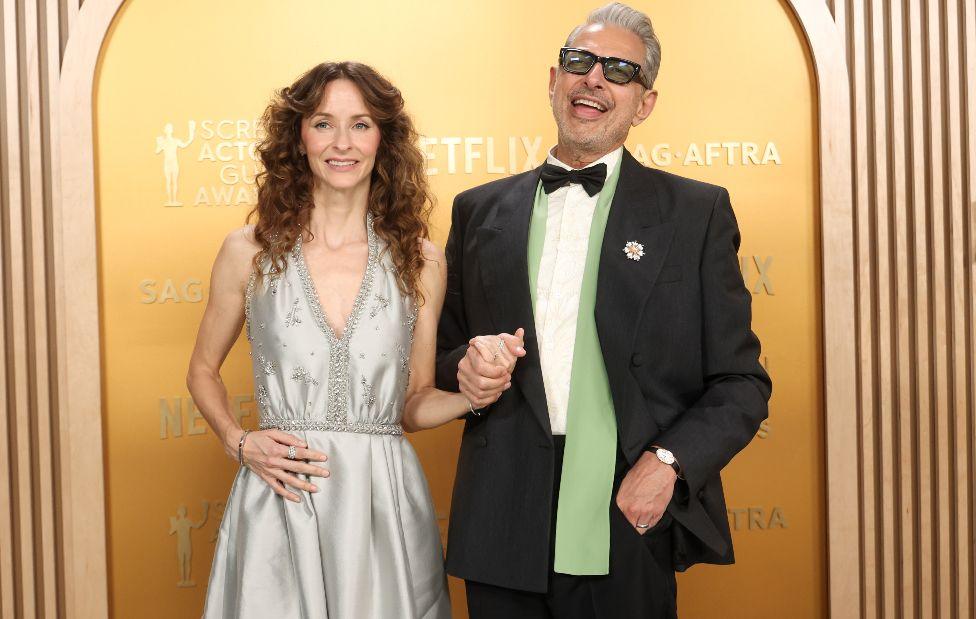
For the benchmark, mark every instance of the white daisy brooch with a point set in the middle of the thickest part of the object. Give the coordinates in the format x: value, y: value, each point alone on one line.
x: 634, y: 250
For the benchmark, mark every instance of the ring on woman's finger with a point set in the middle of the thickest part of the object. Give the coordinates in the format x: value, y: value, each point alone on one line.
x: 292, y: 452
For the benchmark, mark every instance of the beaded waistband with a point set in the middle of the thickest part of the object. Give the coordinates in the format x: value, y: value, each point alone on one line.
x: 307, y: 425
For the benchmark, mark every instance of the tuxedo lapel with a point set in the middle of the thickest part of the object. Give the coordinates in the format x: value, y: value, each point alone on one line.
x: 624, y: 285
x: 502, y: 244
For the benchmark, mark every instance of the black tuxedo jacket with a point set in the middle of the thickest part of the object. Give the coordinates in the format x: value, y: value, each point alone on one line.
x: 682, y: 360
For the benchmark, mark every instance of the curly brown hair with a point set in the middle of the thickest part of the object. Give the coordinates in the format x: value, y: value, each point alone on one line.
x: 400, y: 200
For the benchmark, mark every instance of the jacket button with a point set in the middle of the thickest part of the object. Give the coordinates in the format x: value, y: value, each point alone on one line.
x: 701, y: 494
x: 483, y: 441
x: 637, y: 359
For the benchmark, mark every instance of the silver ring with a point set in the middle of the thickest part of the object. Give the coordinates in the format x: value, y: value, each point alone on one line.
x: 642, y: 526
x: 498, y: 353
x: 292, y: 452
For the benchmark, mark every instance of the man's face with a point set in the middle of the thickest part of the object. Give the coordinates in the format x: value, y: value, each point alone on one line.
x: 592, y: 114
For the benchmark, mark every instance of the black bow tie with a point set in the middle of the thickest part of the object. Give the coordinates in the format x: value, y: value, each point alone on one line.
x: 592, y: 178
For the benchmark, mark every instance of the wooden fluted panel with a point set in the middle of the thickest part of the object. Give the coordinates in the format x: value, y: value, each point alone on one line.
x: 913, y: 78
x: 14, y: 323
x: 31, y: 519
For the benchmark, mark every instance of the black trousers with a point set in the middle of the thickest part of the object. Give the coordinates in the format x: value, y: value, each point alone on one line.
x: 641, y: 583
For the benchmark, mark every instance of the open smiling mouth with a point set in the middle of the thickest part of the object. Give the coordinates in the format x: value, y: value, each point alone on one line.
x: 341, y: 164
x: 588, y: 108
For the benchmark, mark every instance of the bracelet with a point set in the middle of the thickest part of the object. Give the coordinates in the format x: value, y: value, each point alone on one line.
x: 471, y: 409
x: 240, y: 447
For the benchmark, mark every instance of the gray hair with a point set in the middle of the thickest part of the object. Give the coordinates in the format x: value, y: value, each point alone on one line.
x: 622, y: 16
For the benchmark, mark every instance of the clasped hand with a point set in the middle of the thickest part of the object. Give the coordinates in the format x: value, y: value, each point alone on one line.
x: 485, y: 371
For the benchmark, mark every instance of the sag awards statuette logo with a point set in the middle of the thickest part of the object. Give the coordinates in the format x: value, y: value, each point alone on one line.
x: 169, y: 145
x: 180, y: 525
x: 229, y: 146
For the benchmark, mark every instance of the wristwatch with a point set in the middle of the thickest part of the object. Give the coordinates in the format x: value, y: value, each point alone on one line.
x: 668, y: 458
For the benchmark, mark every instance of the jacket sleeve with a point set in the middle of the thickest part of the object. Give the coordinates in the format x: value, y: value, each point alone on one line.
x: 452, y: 331
x: 727, y: 415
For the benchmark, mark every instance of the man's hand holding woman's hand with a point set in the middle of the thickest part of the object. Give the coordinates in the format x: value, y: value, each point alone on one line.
x: 485, y: 371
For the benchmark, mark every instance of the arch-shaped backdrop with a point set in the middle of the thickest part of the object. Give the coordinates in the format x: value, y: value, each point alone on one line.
x: 79, y: 329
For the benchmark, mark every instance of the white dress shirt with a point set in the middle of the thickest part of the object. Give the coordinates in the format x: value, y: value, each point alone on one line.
x: 560, y: 279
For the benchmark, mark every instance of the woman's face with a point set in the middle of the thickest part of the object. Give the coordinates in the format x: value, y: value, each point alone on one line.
x: 340, y: 138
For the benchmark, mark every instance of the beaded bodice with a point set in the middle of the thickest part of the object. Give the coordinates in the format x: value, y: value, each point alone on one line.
x: 307, y: 378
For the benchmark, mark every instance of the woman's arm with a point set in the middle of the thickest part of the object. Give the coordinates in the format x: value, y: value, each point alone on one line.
x: 265, y: 451
x: 426, y: 406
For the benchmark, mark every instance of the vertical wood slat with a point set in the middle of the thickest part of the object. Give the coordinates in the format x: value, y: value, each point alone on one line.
x: 906, y: 508
x: 42, y: 490
x: 35, y: 299
x: 53, y: 37
x: 956, y: 245
x: 940, y: 318
x: 880, y: 254
x: 865, y: 278
x: 16, y: 323
x: 921, y: 341
x: 8, y: 37
x: 969, y: 92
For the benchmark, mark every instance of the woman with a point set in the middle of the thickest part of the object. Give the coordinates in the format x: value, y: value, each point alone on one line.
x: 341, y: 293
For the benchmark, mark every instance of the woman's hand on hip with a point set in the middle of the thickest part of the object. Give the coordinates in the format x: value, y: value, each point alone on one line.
x: 266, y: 454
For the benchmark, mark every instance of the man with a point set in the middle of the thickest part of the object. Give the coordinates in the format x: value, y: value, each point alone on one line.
x: 592, y: 475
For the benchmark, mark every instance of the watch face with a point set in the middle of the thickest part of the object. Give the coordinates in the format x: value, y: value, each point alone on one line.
x: 665, y: 456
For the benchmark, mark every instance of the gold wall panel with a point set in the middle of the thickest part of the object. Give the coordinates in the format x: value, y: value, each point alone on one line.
x: 193, y: 108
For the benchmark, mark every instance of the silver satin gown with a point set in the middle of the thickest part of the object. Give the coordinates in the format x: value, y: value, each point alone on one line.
x: 366, y: 544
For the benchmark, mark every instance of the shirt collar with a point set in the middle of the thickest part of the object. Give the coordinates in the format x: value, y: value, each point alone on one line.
x: 612, y: 159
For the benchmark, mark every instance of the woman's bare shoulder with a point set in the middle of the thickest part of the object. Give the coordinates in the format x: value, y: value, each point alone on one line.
x: 236, y: 257
x: 242, y: 240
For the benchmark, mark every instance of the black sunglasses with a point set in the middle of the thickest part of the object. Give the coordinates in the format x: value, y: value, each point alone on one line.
x: 616, y: 70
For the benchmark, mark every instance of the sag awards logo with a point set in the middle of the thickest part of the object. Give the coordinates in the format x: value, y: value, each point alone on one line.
x: 169, y: 146
x: 182, y: 526
x: 226, y: 150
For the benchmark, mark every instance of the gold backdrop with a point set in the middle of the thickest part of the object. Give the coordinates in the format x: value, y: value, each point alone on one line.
x: 736, y: 108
